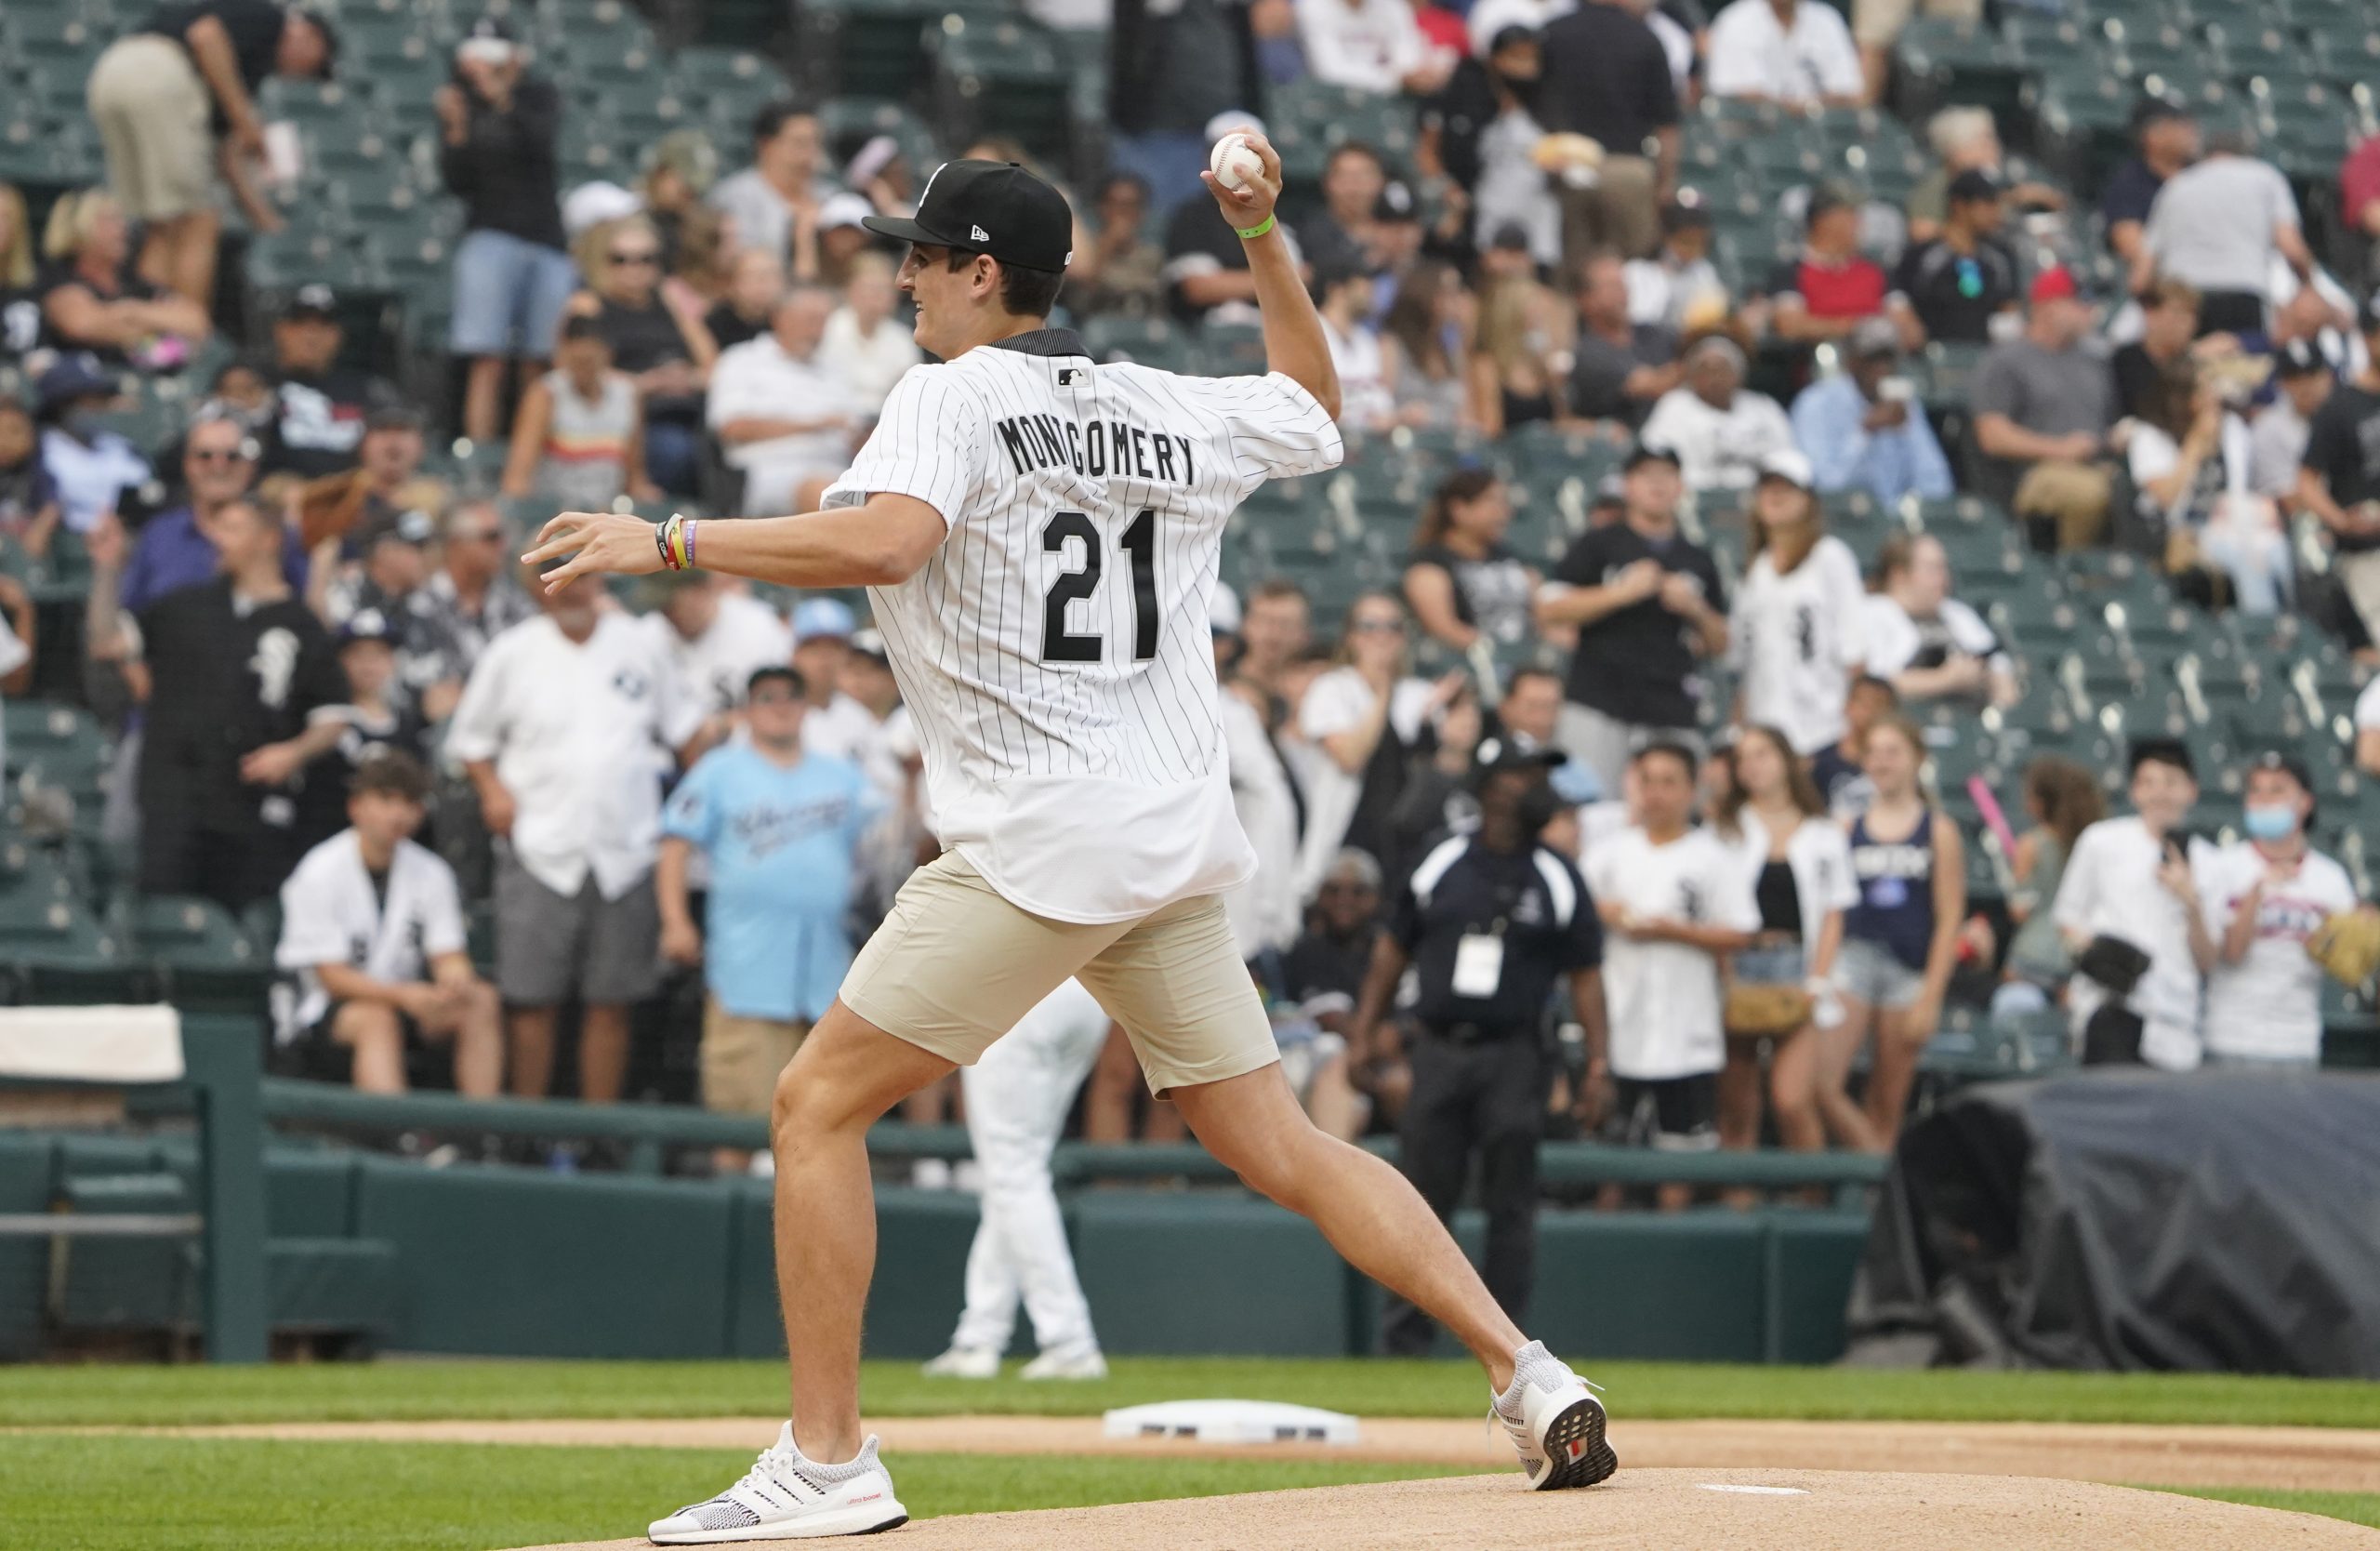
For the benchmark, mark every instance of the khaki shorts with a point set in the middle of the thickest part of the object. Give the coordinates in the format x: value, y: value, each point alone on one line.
x: 152, y: 112
x: 955, y: 966
x: 1878, y: 23
x: 741, y: 1058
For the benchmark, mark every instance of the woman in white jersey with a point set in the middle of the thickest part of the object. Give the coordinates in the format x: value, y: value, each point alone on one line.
x: 1800, y: 870
x: 1794, y: 639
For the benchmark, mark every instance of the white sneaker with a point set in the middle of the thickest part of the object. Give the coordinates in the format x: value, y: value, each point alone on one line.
x: 1084, y: 1364
x: 1556, y: 1422
x: 965, y: 1363
x: 784, y: 1496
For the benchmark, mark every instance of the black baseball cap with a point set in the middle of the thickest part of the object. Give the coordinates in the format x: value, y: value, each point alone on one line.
x: 994, y: 207
x: 314, y: 301
x: 1974, y: 186
x: 2298, y: 358
x: 1649, y: 452
x: 2288, y: 764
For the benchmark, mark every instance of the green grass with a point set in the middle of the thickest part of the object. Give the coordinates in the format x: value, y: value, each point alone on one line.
x: 2356, y: 1507
x: 115, y: 1493
x: 400, y: 1390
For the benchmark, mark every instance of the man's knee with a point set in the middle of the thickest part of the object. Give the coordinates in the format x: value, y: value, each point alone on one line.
x: 363, y: 1023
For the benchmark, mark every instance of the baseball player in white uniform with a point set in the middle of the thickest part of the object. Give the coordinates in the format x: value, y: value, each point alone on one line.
x: 1018, y: 1094
x: 1040, y: 535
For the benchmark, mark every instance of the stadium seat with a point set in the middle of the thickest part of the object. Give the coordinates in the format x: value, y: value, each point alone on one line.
x: 1007, y: 77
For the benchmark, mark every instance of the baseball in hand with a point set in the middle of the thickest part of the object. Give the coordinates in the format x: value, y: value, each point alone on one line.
x: 1234, y: 162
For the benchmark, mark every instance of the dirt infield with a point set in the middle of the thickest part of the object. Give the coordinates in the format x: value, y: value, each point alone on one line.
x: 2304, y: 1458
x: 1657, y: 1510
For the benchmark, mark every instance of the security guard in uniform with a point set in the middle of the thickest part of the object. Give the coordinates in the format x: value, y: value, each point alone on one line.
x: 1489, y: 921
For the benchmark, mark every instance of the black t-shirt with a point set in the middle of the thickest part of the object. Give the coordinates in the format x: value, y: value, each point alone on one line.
x: 2343, y: 445
x: 61, y: 273
x: 20, y: 320
x: 1460, y: 112
x: 1956, y: 295
x: 1493, y: 593
x: 729, y: 327
x: 1599, y: 375
x: 1636, y: 664
x: 318, y: 421
x: 1832, y: 771
x: 1198, y: 230
x: 1504, y: 894
x: 2130, y: 190
x: 366, y: 735
x: 1607, y: 76
x: 507, y: 172
x: 1321, y: 968
x: 226, y: 682
x: 254, y: 27
x: 2136, y: 378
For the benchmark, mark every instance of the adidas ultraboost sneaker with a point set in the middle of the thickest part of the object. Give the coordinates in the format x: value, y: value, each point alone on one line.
x: 784, y: 1496
x: 1556, y: 1422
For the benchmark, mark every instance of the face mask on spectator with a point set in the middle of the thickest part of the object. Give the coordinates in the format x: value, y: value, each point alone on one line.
x: 2271, y: 823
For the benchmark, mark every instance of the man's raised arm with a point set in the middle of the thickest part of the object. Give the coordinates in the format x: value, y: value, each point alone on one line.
x: 1294, y: 343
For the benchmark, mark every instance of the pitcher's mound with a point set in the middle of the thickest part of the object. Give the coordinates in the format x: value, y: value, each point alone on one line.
x: 1657, y: 1510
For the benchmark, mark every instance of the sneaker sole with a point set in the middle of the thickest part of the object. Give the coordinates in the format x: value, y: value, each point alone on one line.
x: 1576, y: 1451
x: 820, y: 1527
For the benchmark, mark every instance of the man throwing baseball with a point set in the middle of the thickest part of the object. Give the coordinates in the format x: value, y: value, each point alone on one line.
x: 1040, y: 535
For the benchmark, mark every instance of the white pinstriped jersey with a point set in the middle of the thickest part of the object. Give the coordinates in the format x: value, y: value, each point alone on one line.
x: 1055, y: 652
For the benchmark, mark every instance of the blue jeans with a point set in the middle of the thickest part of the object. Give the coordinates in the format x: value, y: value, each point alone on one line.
x: 1169, y: 161
x: 508, y: 295
x: 672, y: 456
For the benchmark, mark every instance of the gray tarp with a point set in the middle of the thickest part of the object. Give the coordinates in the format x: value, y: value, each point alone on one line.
x: 2132, y: 1220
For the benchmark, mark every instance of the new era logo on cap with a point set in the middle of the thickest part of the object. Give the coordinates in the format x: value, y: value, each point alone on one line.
x: 965, y: 200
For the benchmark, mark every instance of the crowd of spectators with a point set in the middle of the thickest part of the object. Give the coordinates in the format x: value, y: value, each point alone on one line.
x: 306, y: 630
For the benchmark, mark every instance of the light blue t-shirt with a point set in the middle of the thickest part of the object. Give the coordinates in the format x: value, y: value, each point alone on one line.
x: 780, y: 843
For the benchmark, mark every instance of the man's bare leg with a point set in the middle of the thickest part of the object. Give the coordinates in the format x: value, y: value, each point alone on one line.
x: 1367, y: 1211
x: 848, y: 1073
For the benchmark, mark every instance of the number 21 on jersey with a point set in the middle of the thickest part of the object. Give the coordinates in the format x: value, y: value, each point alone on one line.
x: 1138, y: 543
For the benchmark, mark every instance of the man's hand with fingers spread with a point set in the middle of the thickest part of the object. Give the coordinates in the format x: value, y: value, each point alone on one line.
x: 1251, y: 204
x: 592, y: 543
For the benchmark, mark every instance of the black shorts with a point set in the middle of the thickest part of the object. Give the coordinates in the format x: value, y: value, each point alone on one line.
x: 1675, y: 1114
x: 317, y: 1055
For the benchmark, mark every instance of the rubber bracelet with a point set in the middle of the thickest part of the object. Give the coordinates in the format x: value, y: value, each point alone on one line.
x: 661, y: 542
x: 1255, y: 231
x: 689, y: 541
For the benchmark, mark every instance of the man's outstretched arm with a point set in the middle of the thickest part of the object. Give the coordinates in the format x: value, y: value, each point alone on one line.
x: 1294, y: 343
x: 876, y: 544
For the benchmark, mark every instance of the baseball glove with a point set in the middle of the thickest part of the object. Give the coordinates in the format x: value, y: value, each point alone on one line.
x: 2348, y: 946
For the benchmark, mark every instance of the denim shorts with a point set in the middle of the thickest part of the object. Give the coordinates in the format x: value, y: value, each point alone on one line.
x: 508, y: 295
x: 1769, y: 966
x: 1868, y: 972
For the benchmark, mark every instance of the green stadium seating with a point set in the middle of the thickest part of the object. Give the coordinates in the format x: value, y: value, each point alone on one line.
x: 1008, y: 77
x: 1151, y: 341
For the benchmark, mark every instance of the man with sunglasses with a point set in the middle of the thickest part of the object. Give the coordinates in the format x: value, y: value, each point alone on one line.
x: 468, y: 602
x: 177, y: 546
x: 1040, y: 533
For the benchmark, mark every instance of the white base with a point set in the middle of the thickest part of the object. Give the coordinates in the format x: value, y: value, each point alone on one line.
x: 1233, y: 1422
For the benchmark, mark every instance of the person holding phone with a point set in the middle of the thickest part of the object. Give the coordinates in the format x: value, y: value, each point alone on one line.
x: 499, y: 135
x: 1863, y: 428
x: 2136, y: 880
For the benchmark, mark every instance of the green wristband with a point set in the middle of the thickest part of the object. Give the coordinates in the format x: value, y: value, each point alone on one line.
x: 1255, y: 231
